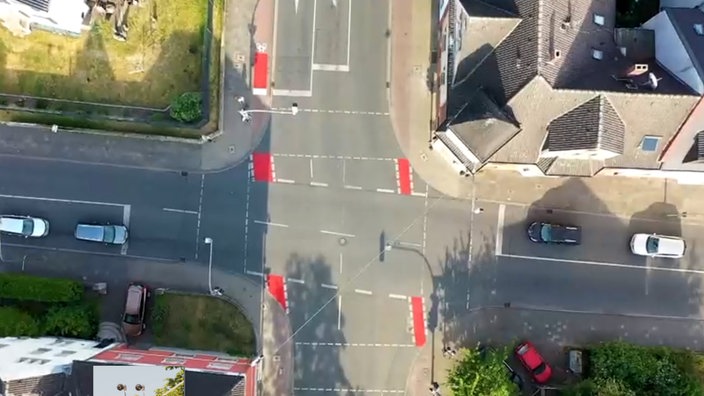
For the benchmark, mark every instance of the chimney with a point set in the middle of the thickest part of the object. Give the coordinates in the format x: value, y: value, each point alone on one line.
x: 637, y: 69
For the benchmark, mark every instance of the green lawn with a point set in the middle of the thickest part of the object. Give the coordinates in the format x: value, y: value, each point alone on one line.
x: 160, y: 60
x: 201, y: 323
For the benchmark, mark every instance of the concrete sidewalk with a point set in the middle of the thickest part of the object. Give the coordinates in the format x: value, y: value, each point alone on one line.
x: 246, y: 24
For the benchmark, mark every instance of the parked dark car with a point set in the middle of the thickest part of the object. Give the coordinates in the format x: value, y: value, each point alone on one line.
x: 554, y: 233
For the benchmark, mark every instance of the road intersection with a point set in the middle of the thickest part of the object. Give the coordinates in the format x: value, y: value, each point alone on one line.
x: 329, y: 207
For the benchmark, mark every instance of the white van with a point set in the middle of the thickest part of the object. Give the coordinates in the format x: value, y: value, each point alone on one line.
x: 25, y: 226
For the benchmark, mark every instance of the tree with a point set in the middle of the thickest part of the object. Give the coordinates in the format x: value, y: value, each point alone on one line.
x: 621, y: 369
x: 187, y: 107
x: 174, y: 386
x: 16, y: 323
x: 78, y: 321
x: 481, y: 373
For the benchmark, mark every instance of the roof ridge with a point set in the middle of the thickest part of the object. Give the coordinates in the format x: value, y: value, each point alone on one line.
x: 639, y: 94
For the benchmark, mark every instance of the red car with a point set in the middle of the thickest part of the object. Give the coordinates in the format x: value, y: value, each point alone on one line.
x: 533, y: 362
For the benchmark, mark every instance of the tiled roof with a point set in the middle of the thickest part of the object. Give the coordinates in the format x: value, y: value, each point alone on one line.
x: 592, y: 125
x: 481, y: 124
x: 40, y: 5
x: 683, y: 20
x: 627, y: 106
x: 51, y: 384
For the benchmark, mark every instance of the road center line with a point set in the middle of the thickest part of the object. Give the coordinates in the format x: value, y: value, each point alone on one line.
x: 362, y: 291
x: 337, y: 233
x: 386, y: 190
x: 340, y: 263
x: 311, y: 169
x: 318, y: 184
x: 500, y: 229
x: 287, y: 181
x: 295, y: 280
x: 270, y: 223
x: 326, y: 286
x: 605, y: 264
x: 349, y: 187
x: 192, y: 212
x: 398, y: 296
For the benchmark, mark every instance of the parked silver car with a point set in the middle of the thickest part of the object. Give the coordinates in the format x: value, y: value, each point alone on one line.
x: 105, y: 233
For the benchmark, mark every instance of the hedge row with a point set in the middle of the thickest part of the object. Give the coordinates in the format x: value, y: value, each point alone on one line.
x: 33, y: 288
x: 76, y: 321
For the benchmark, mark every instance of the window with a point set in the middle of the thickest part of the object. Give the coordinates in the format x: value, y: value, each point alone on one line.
x: 699, y: 28
x: 650, y: 143
x: 171, y: 361
x: 597, y: 54
x: 599, y: 19
x: 557, y: 54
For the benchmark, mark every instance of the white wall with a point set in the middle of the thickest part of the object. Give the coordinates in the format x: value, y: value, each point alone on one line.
x: 670, y: 52
x: 64, y: 15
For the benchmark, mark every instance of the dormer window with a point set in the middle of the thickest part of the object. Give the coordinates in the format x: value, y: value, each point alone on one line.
x: 699, y: 28
x: 599, y: 19
x: 597, y: 54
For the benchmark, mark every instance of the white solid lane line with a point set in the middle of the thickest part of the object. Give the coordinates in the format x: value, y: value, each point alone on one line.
x: 361, y: 291
x: 355, y: 344
x: 500, y: 229
x: 254, y: 273
x: 270, y: 223
x: 192, y: 212
x: 61, y: 200
x: 337, y: 233
x: 605, y: 264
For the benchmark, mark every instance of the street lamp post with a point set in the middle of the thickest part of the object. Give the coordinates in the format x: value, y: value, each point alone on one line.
x: 214, y: 291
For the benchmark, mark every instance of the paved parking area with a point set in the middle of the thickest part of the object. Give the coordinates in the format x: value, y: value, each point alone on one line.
x: 600, y: 275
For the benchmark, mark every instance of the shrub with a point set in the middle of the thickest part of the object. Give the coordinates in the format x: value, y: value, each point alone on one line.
x: 160, y: 313
x: 79, y: 321
x: 34, y: 288
x: 187, y: 107
x: 16, y: 323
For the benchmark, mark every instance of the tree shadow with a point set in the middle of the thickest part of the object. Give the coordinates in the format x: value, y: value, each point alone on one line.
x: 558, y: 296
x: 314, y: 316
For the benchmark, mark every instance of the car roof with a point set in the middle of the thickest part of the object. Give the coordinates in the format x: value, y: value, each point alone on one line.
x: 134, y: 299
x: 670, y: 245
x: 530, y: 355
x: 90, y: 231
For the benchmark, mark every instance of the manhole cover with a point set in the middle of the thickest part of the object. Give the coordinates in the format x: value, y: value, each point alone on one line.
x: 342, y: 241
x: 231, y: 149
x: 277, y: 358
x: 239, y: 57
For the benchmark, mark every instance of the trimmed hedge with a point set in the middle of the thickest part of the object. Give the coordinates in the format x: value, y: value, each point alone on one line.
x: 34, y: 288
x: 78, y: 321
x: 16, y: 323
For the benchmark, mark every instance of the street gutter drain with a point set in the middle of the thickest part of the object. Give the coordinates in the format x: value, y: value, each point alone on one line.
x: 184, y: 173
x: 342, y: 241
x: 232, y: 149
x: 277, y: 358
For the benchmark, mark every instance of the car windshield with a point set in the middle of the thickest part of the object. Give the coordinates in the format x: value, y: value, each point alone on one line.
x: 540, y: 369
x: 109, y: 234
x: 131, y: 319
x: 27, y: 226
x: 546, y: 232
x: 652, y: 244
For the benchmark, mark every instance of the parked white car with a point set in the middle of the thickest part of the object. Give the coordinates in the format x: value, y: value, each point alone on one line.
x: 654, y: 245
x: 25, y: 226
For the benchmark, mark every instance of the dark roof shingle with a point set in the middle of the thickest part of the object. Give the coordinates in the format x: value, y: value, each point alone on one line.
x: 590, y: 126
